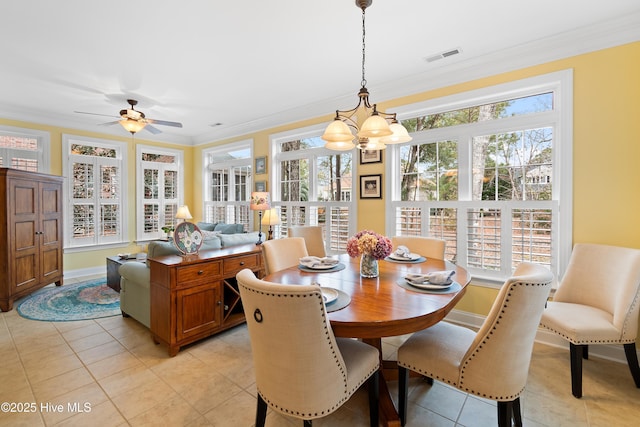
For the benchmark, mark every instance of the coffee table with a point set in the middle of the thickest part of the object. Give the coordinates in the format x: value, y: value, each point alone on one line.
x: 113, y: 276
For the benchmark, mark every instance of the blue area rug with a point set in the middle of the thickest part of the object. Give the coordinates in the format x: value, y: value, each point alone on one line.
x: 92, y: 299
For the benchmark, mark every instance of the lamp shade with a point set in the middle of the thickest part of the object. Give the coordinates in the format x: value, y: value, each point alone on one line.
x: 183, y: 213
x: 131, y: 125
x: 337, y: 131
x: 260, y: 201
x: 374, y: 127
x: 340, y: 145
x: 271, y: 217
x: 399, y: 135
x: 372, y: 144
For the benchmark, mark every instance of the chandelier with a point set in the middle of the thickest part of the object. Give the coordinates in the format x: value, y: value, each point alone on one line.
x: 379, y: 128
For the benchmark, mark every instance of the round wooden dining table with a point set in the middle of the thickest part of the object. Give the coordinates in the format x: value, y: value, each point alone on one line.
x: 381, y: 307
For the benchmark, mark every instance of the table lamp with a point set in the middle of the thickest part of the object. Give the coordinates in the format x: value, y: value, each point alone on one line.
x: 270, y: 218
x: 260, y: 202
x: 183, y: 213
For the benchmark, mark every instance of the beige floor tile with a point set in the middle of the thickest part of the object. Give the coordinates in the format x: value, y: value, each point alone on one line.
x: 101, y: 352
x: 91, y: 341
x: 209, y: 394
x: 172, y: 412
x: 52, y: 367
x: 128, y: 379
x: 238, y: 410
x: 141, y: 399
x: 113, y: 364
x: 103, y: 414
x: 61, y: 384
x: 72, y: 403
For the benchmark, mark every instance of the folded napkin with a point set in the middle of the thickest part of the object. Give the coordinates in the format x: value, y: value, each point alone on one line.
x: 402, y: 252
x: 314, y: 261
x: 436, y: 278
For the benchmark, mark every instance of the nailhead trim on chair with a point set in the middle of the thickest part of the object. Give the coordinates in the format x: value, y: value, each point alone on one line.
x: 466, y: 362
x: 624, y: 327
x: 347, y: 394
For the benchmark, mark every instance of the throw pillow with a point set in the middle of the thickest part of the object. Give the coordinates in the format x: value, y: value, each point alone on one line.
x: 229, y: 228
x: 206, y: 226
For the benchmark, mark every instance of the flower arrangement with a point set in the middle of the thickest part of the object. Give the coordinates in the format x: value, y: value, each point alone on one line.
x: 370, y: 243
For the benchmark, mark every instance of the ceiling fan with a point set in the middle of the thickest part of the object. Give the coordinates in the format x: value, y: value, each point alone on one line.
x: 134, y: 121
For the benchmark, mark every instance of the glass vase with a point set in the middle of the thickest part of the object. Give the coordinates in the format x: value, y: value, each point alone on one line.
x: 368, y: 266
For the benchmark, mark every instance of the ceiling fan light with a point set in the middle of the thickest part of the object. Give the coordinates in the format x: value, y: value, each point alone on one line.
x: 374, y: 127
x: 337, y: 131
x: 132, y: 126
x: 400, y: 135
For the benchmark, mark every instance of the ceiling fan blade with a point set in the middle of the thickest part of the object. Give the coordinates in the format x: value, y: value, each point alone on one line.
x: 164, y: 123
x: 109, y: 123
x: 95, y: 114
x: 153, y: 130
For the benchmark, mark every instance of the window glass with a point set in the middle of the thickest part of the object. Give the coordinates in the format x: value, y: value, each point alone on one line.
x: 481, y: 177
x: 95, y: 190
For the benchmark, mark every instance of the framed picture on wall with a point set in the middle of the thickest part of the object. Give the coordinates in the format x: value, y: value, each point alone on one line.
x: 261, y: 186
x: 261, y: 165
x: 371, y: 186
x: 370, y: 156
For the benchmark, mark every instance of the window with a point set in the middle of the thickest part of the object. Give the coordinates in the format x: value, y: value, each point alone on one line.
x: 228, y: 181
x: 159, y: 186
x: 24, y: 149
x: 96, y: 173
x: 488, y: 174
x: 313, y: 186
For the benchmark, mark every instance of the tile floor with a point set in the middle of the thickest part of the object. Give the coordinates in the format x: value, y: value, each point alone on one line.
x: 108, y: 372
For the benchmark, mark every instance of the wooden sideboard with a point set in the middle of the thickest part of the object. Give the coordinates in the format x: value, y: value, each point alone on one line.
x: 195, y: 296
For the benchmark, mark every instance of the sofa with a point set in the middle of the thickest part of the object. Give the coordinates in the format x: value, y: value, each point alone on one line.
x: 135, y: 277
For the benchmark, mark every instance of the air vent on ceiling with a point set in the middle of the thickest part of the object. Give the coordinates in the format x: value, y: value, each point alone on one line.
x: 443, y: 55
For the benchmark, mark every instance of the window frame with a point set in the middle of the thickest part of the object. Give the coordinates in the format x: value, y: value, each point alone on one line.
x: 560, y: 119
x: 311, y: 206
x: 230, y: 206
x: 96, y: 243
x: 43, y: 154
x: 178, y: 166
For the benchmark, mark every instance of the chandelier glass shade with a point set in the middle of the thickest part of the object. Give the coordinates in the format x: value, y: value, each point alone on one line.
x: 377, y: 130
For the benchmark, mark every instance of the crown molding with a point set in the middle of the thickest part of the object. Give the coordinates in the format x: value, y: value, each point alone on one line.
x: 584, y: 40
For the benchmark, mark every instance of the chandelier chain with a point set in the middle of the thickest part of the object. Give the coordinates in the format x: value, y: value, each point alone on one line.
x: 364, y: 81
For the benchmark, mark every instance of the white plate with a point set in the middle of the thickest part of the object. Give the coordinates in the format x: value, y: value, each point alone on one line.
x: 319, y: 266
x: 412, y: 257
x: 428, y: 285
x: 329, y: 295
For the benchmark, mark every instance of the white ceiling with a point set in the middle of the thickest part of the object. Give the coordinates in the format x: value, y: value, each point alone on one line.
x: 255, y: 64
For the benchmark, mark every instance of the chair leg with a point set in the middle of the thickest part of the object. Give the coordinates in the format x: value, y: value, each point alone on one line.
x: 307, y: 423
x: 517, y: 414
x: 374, y: 399
x: 585, y: 352
x: 261, y: 412
x: 505, y: 414
x: 403, y: 389
x: 632, y: 360
x: 576, y: 353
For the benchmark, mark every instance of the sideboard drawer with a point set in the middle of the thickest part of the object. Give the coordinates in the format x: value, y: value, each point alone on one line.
x: 198, y: 272
x: 235, y: 264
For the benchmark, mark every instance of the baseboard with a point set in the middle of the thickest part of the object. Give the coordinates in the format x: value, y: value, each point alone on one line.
x: 543, y: 336
x: 82, y: 272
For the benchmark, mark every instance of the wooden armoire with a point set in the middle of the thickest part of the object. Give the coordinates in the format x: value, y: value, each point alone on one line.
x: 30, y: 233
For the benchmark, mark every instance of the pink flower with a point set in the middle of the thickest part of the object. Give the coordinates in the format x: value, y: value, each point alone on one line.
x: 369, y: 242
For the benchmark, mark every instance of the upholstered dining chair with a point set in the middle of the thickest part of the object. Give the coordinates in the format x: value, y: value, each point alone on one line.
x: 492, y: 363
x: 283, y: 253
x: 302, y: 370
x: 312, y: 235
x: 597, y: 302
x: 428, y: 247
